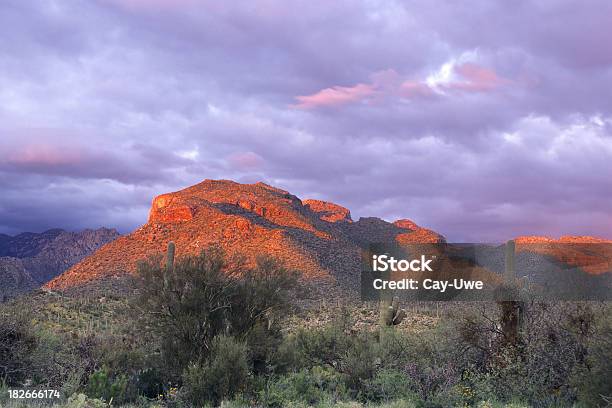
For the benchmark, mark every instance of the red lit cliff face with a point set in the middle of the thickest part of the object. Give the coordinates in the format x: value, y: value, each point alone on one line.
x: 416, y: 234
x: 592, y: 255
x: 329, y: 211
x: 566, y: 239
x: 168, y: 208
x: 315, y: 237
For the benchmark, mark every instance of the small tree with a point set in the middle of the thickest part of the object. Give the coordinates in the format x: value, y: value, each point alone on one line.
x: 188, y: 303
x: 224, y: 375
x: 17, y: 344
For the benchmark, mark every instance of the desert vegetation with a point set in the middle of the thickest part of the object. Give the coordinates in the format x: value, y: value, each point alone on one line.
x: 213, y: 330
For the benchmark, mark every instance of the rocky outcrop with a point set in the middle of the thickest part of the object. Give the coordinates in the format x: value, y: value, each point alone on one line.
x: 29, y: 260
x: 590, y: 254
x: 567, y: 239
x: 168, y: 208
x: 407, y: 224
x: 329, y: 211
x: 316, y: 237
x: 416, y: 234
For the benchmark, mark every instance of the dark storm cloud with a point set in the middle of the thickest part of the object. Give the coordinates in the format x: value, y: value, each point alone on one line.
x: 482, y: 122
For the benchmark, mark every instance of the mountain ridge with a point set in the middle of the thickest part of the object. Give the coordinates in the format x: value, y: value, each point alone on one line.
x: 315, y: 236
x: 28, y: 260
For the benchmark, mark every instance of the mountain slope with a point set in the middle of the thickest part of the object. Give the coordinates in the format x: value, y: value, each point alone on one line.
x: 590, y: 254
x: 15, y: 278
x: 29, y: 260
x: 316, y: 237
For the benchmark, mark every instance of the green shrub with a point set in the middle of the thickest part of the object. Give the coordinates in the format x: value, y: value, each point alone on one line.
x: 429, y: 359
x: 263, y: 343
x: 490, y: 404
x: 309, y: 386
x: 221, y: 377
x: 555, y: 363
x: 387, y: 385
x: 205, y: 296
x: 102, y: 386
x: 120, y: 354
x: 324, y: 346
x: 82, y: 401
x: 287, y: 358
x: 396, y: 348
x: 150, y: 383
x: 358, y: 363
x: 594, y: 380
x: 17, y: 344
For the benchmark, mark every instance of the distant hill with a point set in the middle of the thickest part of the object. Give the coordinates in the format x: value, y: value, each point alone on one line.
x: 29, y: 260
x: 592, y: 255
x: 316, y: 237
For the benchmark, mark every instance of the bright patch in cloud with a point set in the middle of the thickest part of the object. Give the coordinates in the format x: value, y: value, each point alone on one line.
x: 442, y: 77
x: 189, y: 154
x: 452, y: 76
x: 475, y: 78
x: 334, y: 96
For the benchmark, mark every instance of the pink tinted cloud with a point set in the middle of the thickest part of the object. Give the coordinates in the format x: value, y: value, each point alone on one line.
x: 44, y: 155
x: 476, y: 78
x: 246, y: 161
x: 334, y: 96
x: 415, y: 89
x: 388, y: 83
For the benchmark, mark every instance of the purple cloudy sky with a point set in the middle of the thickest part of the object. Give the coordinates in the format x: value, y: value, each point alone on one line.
x: 482, y: 122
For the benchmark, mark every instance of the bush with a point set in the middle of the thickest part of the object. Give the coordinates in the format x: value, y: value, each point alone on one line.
x: 387, y: 385
x: 17, y: 344
x: 261, y: 294
x: 377, y: 368
x: 205, y: 296
x: 430, y: 360
x: 310, y: 386
x: 395, y: 348
x: 33, y: 354
x: 55, y: 361
x: 81, y: 401
x: 224, y: 375
x: 358, y: 363
x: 101, y: 386
x: 554, y: 363
x: 325, y: 346
x: 593, y: 380
x: 150, y: 383
x: 263, y: 343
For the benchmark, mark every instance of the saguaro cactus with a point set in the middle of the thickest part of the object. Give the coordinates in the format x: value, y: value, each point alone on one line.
x: 512, y: 309
x: 509, y: 273
x: 390, y: 312
x: 169, y: 262
x: 170, y: 256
